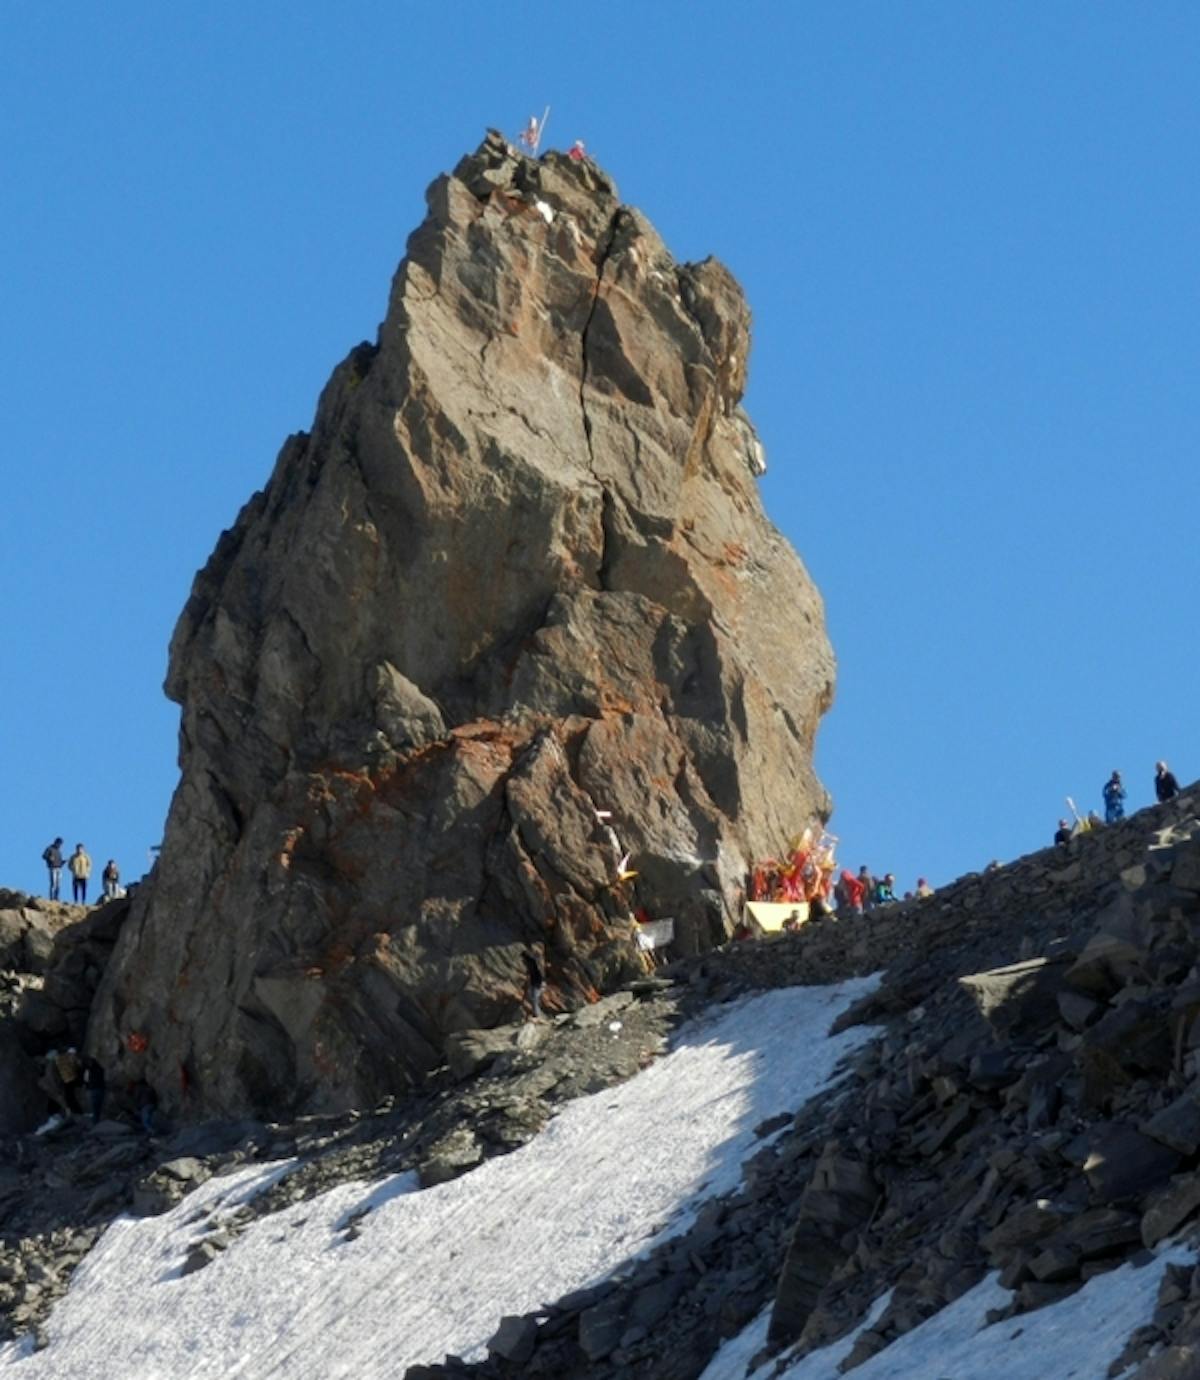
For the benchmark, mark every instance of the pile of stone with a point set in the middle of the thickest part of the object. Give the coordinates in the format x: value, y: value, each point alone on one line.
x: 1039, y: 1117
x: 82, y: 938
x: 51, y: 959
x: 1031, y: 1105
x: 59, y: 1190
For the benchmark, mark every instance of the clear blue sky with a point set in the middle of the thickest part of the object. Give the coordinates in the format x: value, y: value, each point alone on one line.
x: 968, y: 234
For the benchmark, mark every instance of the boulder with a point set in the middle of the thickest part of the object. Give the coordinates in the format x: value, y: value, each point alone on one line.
x: 469, y: 1051
x: 1169, y: 1208
x: 514, y: 1339
x: 1121, y: 1163
x: 452, y: 1156
x: 1019, y: 996
x: 1113, y: 956
x: 517, y: 573
x: 1177, y: 1125
x: 22, y: 1102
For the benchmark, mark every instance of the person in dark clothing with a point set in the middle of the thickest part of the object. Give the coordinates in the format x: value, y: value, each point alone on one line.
x: 868, y: 885
x: 1114, y: 799
x: 95, y: 1085
x: 1165, y: 786
x: 53, y: 858
x: 145, y: 1103
x: 1063, y: 833
x: 537, y: 982
x: 61, y: 1078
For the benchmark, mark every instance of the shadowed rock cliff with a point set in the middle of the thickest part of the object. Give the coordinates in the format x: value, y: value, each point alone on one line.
x: 518, y: 572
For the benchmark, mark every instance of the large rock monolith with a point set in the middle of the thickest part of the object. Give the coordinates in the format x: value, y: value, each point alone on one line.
x: 517, y: 574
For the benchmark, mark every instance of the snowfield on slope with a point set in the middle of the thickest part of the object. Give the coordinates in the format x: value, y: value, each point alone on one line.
x: 1075, y: 1339
x: 298, y: 1298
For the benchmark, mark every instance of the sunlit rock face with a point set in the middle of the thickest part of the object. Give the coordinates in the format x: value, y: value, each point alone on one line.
x: 517, y: 573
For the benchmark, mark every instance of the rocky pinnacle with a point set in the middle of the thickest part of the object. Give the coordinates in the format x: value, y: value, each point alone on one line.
x: 517, y: 573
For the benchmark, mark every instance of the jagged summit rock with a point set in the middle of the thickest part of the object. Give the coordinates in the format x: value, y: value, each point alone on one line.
x: 518, y: 572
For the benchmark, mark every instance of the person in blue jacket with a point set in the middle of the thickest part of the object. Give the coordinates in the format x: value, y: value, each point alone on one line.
x: 1114, y: 799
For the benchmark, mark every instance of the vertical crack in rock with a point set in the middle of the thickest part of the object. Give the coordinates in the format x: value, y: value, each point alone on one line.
x: 605, y: 254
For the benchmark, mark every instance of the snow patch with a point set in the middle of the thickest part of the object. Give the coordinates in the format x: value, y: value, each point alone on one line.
x: 1076, y: 1339
x: 296, y: 1297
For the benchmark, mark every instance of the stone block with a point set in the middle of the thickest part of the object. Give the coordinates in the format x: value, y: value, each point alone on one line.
x: 1019, y: 996
x: 1186, y: 873
x: 1099, y: 1232
x: 1177, y: 1125
x: 1054, y: 1264
x: 600, y: 1328
x: 656, y: 1300
x: 1108, y: 961
x: 1178, y: 1362
x: 1122, y: 1163
x: 470, y: 1051
x: 1169, y: 1208
x: 991, y: 1069
x: 1078, y: 1009
x: 514, y: 1339
x: 450, y: 1157
x: 1029, y: 1223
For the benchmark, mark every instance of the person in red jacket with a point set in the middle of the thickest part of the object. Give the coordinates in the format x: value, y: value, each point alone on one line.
x: 851, y: 896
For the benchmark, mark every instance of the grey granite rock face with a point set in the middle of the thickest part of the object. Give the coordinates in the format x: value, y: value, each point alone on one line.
x: 519, y: 571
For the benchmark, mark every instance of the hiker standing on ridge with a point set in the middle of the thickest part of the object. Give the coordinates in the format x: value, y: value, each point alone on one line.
x: 53, y: 858
x: 81, y: 869
x: 1165, y: 785
x: 111, y: 877
x: 868, y: 885
x: 850, y: 894
x: 1114, y: 799
x: 885, y: 891
x: 1063, y: 833
x: 537, y: 982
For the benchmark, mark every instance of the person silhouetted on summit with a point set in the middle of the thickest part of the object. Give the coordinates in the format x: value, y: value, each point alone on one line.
x: 1114, y: 799
x: 81, y: 869
x: 1063, y: 833
x: 1165, y: 786
x: 53, y: 858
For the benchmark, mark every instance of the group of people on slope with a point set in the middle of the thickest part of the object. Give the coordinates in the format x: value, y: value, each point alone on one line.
x: 79, y: 865
x: 1166, y: 787
x: 76, y: 1084
x: 856, y: 895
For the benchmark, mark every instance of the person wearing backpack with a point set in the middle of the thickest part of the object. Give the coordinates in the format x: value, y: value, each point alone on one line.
x: 81, y: 869
x: 53, y: 858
